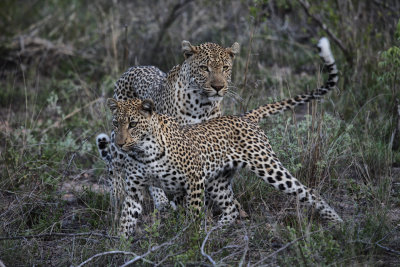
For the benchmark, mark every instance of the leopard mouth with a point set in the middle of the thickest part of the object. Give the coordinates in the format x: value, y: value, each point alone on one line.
x: 132, y: 148
x: 214, y: 95
x: 125, y: 148
x: 215, y: 98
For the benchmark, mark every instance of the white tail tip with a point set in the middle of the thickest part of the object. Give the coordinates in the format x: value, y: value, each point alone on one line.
x: 325, y: 52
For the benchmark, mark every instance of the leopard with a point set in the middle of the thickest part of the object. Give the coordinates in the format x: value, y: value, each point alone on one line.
x: 192, y: 92
x: 195, y: 161
x: 145, y: 88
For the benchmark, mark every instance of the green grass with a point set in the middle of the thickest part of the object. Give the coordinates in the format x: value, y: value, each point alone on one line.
x: 54, y: 209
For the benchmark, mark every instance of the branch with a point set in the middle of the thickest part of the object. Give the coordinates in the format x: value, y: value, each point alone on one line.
x: 288, y: 245
x: 142, y: 257
x: 242, y: 106
x: 155, y: 248
x: 111, y: 253
x: 246, y: 249
x: 204, y: 244
x: 173, y: 15
x: 76, y: 110
x: 56, y: 234
x: 306, y: 6
x: 395, y: 139
x: 385, y: 5
x: 388, y: 249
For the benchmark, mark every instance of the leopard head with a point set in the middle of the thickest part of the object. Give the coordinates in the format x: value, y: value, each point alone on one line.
x: 210, y: 67
x: 131, y: 122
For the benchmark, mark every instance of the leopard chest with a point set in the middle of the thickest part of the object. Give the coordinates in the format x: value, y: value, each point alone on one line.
x: 162, y: 173
x: 191, y: 105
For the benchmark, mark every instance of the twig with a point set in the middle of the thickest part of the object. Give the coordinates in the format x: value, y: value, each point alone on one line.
x: 288, y: 245
x: 385, y: 236
x: 155, y: 248
x: 57, y: 123
x: 126, y: 49
x: 395, y: 138
x: 56, y: 234
x: 166, y: 258
x: 379, y: 245
x: 388, y: 249
x: 385, y: 5
x: 244, y: 107
x: 142, y: 257
x: 246, y: 249
x: 306, y: 7
x: 110, y: 253
x: 204, y: 244
x: 173, y: 15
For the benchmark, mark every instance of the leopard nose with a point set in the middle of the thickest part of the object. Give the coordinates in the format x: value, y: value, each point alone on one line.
x: 217, y: 87
x: 119, y: 141
x: 119, y: 144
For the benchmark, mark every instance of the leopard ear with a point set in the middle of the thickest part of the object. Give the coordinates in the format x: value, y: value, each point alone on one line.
x: 147, y: 107
x: 234, y: 49
x: 112, y: 104
x: 188, y: 49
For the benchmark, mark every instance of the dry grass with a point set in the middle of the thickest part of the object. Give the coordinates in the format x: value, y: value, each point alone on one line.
x: 59, y: 60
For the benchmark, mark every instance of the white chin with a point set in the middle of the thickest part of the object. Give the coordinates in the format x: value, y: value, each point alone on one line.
x: 215, y: 98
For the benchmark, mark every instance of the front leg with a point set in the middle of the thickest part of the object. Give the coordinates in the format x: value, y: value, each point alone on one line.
x: 195, y: 191
x: 117, y: 177
x: 132, y: 207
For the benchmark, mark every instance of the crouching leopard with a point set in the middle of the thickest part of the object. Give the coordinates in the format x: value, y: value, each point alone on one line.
x: 192, y: 92
x: 192, y: 159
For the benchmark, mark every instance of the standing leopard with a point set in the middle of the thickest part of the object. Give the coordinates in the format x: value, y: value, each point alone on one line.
x: 189, y: 93
x: 189, y: 160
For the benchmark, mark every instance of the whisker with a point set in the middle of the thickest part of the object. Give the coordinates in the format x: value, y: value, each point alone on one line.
x: 232, y: 86
x: 234, y: 96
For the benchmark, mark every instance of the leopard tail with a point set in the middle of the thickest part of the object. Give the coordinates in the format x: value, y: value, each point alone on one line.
x: 326, y: 55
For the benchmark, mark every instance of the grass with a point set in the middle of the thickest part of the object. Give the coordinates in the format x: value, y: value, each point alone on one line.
x: 54, y: 208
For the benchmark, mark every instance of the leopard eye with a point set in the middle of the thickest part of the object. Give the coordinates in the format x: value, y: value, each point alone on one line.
x: 115, y: 123
x: 226, y: 68
x: 204, y: 68
x: 132, y: 124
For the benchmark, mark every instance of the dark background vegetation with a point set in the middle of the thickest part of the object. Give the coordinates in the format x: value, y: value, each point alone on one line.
x: 59, y: 60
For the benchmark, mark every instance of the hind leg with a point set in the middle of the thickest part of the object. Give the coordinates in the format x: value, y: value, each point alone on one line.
x: 264, y: 163
x: 219, y: 193
x: 161, y: 201
x: 229, y: 176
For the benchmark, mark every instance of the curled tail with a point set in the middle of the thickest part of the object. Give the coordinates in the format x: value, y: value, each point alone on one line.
x: 103, y: 142
x: 325, y: 53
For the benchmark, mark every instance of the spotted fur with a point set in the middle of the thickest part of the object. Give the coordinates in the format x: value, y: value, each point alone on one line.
x: 186, y: 160
x: 211, y: 51
x: 191, y: 92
